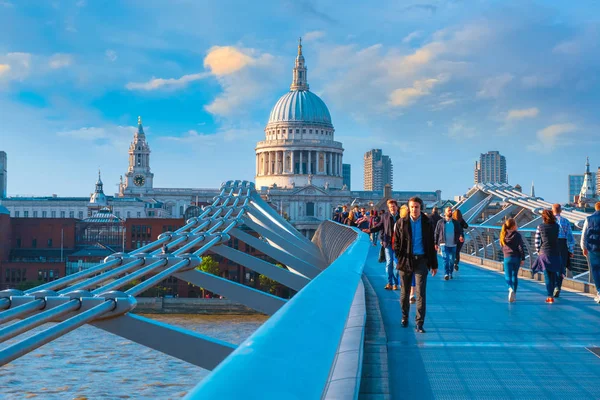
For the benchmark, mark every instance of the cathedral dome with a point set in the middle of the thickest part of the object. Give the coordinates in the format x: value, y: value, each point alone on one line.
x: 300, y: 106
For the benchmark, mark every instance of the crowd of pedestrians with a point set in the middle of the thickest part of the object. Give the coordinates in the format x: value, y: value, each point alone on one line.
x: 411, y: 240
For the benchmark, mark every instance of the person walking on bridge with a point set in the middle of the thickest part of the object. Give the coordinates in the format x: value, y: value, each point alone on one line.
x: 458, y: 217
x: 386, y: 226
x: 514, y: 255
x: 548, y: 261
x: 566, y: 244
x: 590, y: 244
x: 447, y: 236
x: 414, y: 248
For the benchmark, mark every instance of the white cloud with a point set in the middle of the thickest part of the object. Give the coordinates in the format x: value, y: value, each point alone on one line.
x: 225, y: 60
x: 169, y: 83
x: 15, y: 66
x: 430, y: 123
x: 60, y: 60
x: 313, y: 35
x: 412, y: 36
x: 568, y: 47
x: 111, y: 55
x: 540, y: 80
x: 493, y: 87
x: 523, y: 113
x: 459, y: 130
x: 407, y: 96
x: 114, y: 136
x: 549, y: 137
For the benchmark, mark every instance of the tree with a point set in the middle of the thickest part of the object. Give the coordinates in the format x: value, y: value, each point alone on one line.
x: 270, y: 285
x: 209, y: 266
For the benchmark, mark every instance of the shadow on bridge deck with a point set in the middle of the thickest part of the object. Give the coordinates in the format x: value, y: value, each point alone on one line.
x: 478, y: 345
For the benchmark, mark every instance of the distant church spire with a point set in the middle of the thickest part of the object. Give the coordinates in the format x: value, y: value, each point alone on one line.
x: 587, y: 190
x: 299, y: 81
x: 532, y: 189
x: 140, y: 130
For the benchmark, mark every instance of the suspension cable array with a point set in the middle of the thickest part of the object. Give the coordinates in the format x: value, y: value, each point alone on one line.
x: 92, y: 295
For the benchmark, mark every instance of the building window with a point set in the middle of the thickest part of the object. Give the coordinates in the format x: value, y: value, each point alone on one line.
x: 71, y: 214
x: 35, y: 214
x: 80, y: 214
x: 139, y: 214
x: 44, y: 214
x: 53, y: 214
x: 310, y: 131
x: 303, y: 130
x: 17, y: 214
x: 128, y: 214
x: 34, y: 243
x: 49, y: 242
x: 118, y: 214
x: 310, y: 209
x: 63, y: 214
x: 297, y: 130
x: 26, y: 214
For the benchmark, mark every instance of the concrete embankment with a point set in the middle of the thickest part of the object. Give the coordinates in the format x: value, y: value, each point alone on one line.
x: 160, y: 305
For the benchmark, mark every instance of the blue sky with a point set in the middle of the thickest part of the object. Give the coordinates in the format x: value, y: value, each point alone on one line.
x: 433, y: 83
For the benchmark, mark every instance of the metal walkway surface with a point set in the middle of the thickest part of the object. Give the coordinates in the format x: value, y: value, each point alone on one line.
x: 478, y: 345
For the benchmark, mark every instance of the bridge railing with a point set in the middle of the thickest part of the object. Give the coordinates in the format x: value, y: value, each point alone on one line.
x: 298, y: 351
x: 484, y: 241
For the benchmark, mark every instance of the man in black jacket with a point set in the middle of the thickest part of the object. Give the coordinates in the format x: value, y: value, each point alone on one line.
x: 414, y: 248
x: 386, y: 225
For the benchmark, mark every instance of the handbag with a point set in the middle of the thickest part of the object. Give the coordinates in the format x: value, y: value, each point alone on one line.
x: 381, y: 258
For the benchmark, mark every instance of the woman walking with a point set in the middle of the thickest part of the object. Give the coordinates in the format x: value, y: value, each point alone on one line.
x: 374, y: 220
x: 457, y: 216
x: 514, y: 255
x: 548, y: 261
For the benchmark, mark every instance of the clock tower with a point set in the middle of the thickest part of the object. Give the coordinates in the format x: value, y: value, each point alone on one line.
x: 138, y: 179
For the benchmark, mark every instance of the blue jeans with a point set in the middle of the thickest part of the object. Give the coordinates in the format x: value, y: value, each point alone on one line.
x: 551, y: 280
x: 594, y: 264
x: 449, y: 255
x: 374, y: 237
x: 511, y: 271
x: 391, y: 271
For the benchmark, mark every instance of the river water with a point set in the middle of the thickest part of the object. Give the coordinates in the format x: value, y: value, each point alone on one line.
x: 90, y: 363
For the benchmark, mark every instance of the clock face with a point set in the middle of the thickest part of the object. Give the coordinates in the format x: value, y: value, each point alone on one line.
x: 139, y: 180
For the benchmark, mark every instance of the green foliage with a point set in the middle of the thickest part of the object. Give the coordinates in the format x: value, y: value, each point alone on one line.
x: 29, y: 285
x: 269, y: 284
x: 209, y: 266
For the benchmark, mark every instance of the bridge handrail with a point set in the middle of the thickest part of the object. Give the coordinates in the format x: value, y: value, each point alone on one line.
x: 294, y: 351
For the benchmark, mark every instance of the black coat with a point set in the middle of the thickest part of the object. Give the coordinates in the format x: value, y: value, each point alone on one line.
x: 386, y: 226
x: 403, y: 244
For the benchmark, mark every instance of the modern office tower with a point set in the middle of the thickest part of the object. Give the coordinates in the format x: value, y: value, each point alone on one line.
x: 491, y: 168
x: 379, y: 170
x: 347, y: 175
x: 3, y: 175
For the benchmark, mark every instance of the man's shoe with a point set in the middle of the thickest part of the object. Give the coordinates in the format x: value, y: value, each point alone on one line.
x: 550, y: 300
x: 456, y: 267
x: 419, y: 329
x: 388, y: 287
x: 556, y: 292
x: 446, y: 277
x: 597, y: 298
x: 451, y: 276
x: 413, y: 299
x: 395, y: 287
x: 511, y: 295
x: 404, y: 323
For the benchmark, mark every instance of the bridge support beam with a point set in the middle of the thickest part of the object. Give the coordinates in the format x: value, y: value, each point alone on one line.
x: 248, y: 296
x: 186, y: 345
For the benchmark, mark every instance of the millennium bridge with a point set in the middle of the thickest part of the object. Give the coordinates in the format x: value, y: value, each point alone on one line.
x: 339, y: 336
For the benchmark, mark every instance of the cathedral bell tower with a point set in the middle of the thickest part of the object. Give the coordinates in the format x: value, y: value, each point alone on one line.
x: 138, y: 179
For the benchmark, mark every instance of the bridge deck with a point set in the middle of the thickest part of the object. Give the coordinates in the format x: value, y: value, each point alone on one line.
x: 478, y: 345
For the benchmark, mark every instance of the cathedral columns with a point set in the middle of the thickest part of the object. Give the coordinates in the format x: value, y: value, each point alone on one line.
x: 309, y: 162
x: 301, y: 170
x: 292, y: 159
x: 277, y: 162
